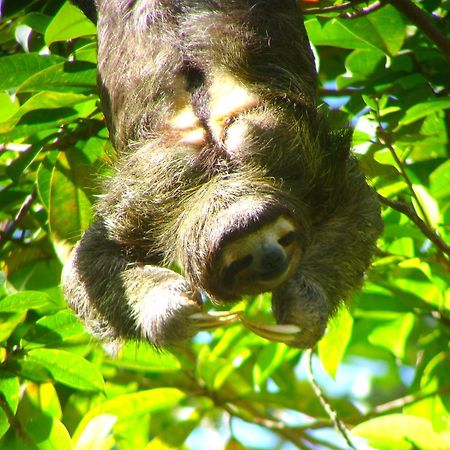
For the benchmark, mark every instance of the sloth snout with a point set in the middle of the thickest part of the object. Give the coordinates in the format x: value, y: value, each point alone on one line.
x: 274, y: 261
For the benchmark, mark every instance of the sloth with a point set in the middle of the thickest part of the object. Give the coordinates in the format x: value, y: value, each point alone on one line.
x: 229, y: 180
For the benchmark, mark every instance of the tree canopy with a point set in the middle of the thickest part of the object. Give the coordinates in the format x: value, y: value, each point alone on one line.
x: 380, y: 376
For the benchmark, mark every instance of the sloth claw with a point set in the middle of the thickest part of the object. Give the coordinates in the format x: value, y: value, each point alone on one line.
x: 286, y: 334
x: 214, y: 319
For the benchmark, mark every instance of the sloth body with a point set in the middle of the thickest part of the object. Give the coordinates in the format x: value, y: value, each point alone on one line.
x: 225, y: 166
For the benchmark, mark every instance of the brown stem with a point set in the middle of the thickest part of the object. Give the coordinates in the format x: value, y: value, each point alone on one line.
x: 10, y: 228
x: 333, y: 8
x: 424, y: 228
x: 362, y: 12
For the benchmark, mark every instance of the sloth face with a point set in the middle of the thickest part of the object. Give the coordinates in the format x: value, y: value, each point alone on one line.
x: 261, y: 260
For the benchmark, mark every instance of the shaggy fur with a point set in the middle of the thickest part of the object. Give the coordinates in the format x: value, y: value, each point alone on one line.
x: 177, y: 198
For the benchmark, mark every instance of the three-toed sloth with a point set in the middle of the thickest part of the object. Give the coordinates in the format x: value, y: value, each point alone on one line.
x: 227, y: 167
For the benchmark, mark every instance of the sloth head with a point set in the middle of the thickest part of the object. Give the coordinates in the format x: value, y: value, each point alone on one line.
x: 245, y: 239
x: 256, y: 260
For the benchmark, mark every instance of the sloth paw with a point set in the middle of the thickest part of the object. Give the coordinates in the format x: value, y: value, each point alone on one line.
x: 302, y: 303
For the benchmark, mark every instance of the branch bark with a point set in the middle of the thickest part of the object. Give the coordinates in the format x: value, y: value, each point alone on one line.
x: 424, y: 228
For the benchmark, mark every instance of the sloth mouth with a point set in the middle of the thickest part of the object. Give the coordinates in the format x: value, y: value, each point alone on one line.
x: 271, y: 274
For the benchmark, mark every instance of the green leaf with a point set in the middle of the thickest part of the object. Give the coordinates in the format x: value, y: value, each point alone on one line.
x: 97, y: 433
x: 360, y: 64
x: 143, y: 357
x: 424, y: 109
x: 383, y: 29
x: 435, y: 408
x: 175, y: 435
x: 9, y: 393
x: 333, y: 34
x: 401, y: 431
x: 333, y: 345
x: 25, y: 300
x: 53, y: 330
x: 44, y: 398
x: 68, y: 23
x: 41, y: 101
x: 392, y: 335
x: 269, y: 359
x: 36, y: 21
x: 69, y: 77
x: 427, y: 204
x: 131, y: 406
x: 15, y: 69
x: 48, y: 433
x: 9, y: 322
x: 8, y: 105
x: 440, y: 181
x: 70, y: 210
x: 68, y: 368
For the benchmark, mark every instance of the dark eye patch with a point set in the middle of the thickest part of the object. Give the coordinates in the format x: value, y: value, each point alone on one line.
x: 288, y: 238
x: 237, y: 266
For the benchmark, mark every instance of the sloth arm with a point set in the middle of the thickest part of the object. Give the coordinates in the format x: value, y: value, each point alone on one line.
x: 333, y: 265
x: 120, y: 299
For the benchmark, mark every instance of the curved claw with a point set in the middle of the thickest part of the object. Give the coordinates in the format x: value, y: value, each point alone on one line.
x: 214, y: 319
x: 286, y: 334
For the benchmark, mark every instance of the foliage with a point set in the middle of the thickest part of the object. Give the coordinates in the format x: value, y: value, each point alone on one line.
x: 387, y: 357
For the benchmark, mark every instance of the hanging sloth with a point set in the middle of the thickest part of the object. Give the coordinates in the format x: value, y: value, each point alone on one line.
x: 226, y: 166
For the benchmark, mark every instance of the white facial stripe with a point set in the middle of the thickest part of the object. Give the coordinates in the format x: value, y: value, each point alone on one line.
x: 246, y: 244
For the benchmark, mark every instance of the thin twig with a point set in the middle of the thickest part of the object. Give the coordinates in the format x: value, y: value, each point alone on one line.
x: 384, y: 139
x: 422, y: 21
x: 405, y: 209
x: 362, y: 12
x: 339, y: 425
x: 14, y: 422
x: 333, y: 8
x: 10, y: 228
x: 407, y: 400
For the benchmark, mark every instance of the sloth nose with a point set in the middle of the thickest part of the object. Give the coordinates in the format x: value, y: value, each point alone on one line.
x: 274, y: 261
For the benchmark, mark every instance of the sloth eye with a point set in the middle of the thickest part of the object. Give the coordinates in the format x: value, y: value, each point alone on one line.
x: 237, y: 266
x: 288, y: 239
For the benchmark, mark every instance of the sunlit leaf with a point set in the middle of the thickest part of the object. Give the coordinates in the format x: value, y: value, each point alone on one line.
x: 9, y: 392
x: 392, y: 335
x: 54, y: 329
x: 97, y: 433
x: 426, y: 207
x: 15, y: 69
x: 48, y: 433
x: 68, y: 23
x: 422, y: 110
x: 401, y: 432
x: 68, y: 368
x: 129, y: 406
x: 333, y: 345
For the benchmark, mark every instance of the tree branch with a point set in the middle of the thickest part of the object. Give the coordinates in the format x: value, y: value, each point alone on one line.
x: 363, y: 11
x: 422, y: 21
x: 405, y: 209
x: 333, y: 8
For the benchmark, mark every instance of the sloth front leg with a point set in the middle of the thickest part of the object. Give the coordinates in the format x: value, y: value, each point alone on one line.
x: 334, y: 263
x: 118, y: 298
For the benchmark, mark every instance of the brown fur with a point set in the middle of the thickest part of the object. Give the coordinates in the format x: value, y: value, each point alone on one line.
x: 177, y: 198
